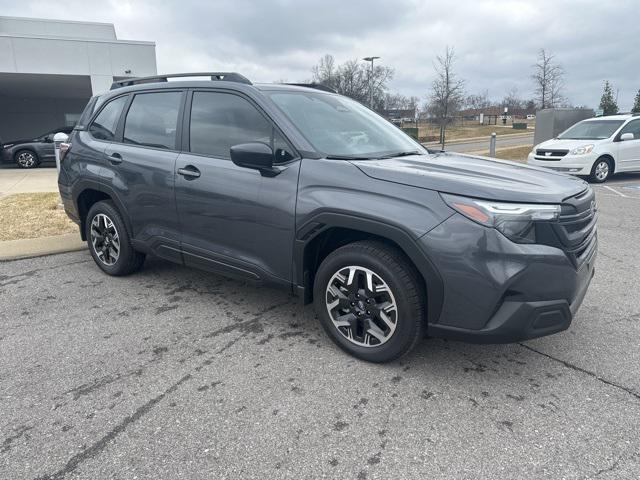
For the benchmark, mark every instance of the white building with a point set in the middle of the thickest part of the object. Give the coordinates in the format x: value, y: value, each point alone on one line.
x: 50, y: 68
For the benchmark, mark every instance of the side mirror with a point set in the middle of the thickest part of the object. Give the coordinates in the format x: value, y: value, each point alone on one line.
x: 258, y: 156
x: 47, y: 139
x: 627, y: 136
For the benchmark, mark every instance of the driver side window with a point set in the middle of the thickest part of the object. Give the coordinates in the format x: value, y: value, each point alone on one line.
x: 632, y: 127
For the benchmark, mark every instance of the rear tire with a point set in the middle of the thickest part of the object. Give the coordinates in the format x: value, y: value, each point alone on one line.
x: 370, y: 301
x: 26, y: 159
x: 602, y: 170
x: 109, y: 241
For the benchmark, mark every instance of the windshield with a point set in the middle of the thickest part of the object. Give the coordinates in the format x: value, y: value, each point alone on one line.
x: 592, y: 130
x: 341, y: 127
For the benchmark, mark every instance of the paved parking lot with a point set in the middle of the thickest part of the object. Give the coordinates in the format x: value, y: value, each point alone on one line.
x: 174, y: 373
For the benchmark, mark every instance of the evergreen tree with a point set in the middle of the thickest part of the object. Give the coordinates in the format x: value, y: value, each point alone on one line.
x: 608, y: 103
x: 636, y: 104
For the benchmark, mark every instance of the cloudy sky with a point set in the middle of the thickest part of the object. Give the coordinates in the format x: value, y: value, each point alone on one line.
x: 269, y: 40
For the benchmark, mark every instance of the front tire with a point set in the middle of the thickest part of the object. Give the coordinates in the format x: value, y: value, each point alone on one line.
x: 601, y: 170
x: 370, y: 301
x: 26, y: 159
x: 109, y: 241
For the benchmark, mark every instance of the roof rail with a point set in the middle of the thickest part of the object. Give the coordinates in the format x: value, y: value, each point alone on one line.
x: 218, y: 76
x: 317, y: 86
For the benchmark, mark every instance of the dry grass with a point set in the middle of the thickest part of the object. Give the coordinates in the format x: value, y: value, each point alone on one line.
x: 33, y: 215
x: 469, y: 130
x: 516, y: 154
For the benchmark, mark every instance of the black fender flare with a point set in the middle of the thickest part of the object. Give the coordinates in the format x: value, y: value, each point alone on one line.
x: 82, y: 185
x: 321, y: 222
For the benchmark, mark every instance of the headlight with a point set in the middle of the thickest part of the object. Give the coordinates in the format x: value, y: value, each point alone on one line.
x: 582, y: 150
x: 516, y: 221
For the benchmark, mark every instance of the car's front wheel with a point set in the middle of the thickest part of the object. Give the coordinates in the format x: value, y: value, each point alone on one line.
x: 369, y: 300
x: 26, y: 159
x: 601, y: 170
x: 109, y: 241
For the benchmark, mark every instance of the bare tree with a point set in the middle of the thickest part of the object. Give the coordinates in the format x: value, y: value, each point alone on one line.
x: 478, y: 101
x: 548, y: 77
x: 447, y: 91
x: 353, y: 79
x: 512, y: 100
x: 397, y: 101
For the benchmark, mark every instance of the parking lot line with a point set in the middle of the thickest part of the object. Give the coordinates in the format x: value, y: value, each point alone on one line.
x: 614, y: 190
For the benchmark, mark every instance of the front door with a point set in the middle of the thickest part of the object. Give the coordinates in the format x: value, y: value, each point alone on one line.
x: 234, y: 220
x: 629, y: 150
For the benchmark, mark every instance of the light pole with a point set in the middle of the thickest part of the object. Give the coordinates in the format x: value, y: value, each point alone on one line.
x: 370, y: 59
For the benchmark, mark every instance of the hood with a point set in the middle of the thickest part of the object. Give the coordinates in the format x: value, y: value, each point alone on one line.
x: 13, y: 142
x: 567, y: 144
x: 475, y: 176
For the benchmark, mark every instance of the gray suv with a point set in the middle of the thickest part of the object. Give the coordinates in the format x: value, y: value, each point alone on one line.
x: 297, y: 187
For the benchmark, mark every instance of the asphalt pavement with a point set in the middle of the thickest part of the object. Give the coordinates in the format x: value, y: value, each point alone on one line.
x: 178, y: 374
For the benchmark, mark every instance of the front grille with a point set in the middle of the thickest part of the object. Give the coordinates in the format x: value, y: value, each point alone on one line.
x: 576, y: 228
x: 547, y: 154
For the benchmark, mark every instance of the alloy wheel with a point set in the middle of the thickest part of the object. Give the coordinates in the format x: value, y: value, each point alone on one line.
x: 361, y: 306
x: 105, y: 239
x: 26, y: 159
x: 602, y: 170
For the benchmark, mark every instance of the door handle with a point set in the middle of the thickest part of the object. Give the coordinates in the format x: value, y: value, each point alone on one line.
x: 189, y: 172
x: 115, y: 158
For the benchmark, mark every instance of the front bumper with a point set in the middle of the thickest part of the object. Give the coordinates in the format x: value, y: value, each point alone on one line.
x: 6, y: 155
x: 497, y: 291
x: 572, y: 164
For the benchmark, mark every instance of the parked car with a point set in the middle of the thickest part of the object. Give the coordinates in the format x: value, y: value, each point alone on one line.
x: 31, y: 152
x: 597, y: 147
x: 303, y: 189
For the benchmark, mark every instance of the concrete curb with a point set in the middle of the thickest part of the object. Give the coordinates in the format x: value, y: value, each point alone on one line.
x: 37, y: 247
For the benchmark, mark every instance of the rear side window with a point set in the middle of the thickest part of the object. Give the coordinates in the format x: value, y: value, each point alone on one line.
x: 222, y: 120
x: 105, y: 124
x: 152, y: 120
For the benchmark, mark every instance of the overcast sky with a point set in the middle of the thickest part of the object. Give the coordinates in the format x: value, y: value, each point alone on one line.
x: 269, y: 40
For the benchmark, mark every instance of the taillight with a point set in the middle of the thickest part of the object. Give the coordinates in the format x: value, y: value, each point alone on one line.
x: 64, y: 148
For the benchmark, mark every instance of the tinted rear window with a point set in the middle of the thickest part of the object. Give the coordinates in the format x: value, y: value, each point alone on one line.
x: 105, y: 124
x: 152, y: 120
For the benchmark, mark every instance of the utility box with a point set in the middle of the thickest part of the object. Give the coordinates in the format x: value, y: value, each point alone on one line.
x: 411, y: 131
x: 551, y: 122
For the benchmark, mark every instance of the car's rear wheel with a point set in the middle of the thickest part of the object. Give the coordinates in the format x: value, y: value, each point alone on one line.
x: 109, y: 240
x: 26, y: 159
x: 369, y: 300
x: 601, y: 170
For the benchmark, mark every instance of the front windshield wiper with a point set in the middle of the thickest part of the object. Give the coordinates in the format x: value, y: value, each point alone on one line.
x: 346, y: 157
x: 402, y: 154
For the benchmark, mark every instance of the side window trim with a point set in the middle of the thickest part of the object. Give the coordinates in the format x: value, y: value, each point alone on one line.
x: 120, y: 118
x: 186, y: 122
x: 119, y: 136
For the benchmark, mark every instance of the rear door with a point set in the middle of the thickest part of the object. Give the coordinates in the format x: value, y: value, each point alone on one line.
x: 629, y: 150
x: 234, y: 220
x: 140, y: 167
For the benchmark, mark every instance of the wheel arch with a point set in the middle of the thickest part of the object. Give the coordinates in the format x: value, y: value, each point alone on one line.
x: 327, y: 231
x: 86, y: 194
x: 27, y: 148
x: 609, y: 157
